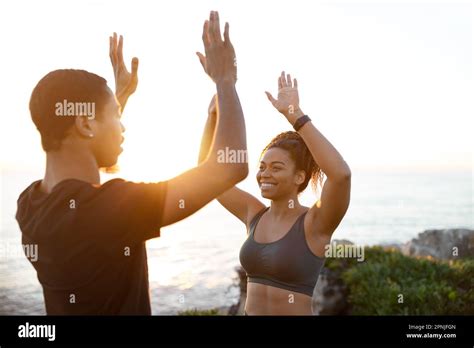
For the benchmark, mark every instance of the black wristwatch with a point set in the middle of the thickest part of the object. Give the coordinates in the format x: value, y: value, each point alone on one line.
x: 300, y: 122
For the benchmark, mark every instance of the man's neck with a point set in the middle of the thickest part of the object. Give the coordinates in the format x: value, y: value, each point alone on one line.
x: 62, y: 165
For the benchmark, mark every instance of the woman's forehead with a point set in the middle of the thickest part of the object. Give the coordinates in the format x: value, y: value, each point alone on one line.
x: 275, y: 154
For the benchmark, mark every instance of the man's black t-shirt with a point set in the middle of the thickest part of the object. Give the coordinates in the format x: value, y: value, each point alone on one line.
x: 91, y: 244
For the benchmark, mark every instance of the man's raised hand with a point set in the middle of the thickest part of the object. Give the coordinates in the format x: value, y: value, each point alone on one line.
x: 219, y: 61
x: 125, y: 82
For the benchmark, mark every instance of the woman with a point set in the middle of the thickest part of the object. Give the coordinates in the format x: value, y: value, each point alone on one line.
x: 284, y: 251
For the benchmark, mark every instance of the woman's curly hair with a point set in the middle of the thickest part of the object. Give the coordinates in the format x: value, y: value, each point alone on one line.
x: 299, y: 152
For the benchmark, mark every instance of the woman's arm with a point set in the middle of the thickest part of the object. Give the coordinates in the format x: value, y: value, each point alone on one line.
x: 240, y: 203
x: 335, y: 196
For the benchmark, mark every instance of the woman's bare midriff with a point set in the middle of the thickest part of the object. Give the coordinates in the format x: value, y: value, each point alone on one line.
x: 268, y: 300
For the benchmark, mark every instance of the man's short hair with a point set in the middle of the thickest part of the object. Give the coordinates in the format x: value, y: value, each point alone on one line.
x: 72, y: 86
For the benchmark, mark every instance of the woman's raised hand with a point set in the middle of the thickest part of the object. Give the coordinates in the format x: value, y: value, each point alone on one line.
x: 288, y: 102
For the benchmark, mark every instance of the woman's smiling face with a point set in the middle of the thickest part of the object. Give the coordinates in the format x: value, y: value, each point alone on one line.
x: 277, y: 176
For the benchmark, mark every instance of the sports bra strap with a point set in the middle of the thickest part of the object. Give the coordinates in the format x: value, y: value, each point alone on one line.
x: 255, y: 220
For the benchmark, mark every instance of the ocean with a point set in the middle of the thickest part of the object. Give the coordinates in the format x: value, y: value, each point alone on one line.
x: 192, y: 264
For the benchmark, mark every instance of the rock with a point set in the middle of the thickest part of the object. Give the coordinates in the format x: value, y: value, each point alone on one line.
x: 330, y: 293
x: 241, y: 304
x: 445, y: 244
x: 241, y: 282
x: 233, y: 310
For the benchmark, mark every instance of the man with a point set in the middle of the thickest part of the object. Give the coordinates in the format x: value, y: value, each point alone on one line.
x: 91, y: 237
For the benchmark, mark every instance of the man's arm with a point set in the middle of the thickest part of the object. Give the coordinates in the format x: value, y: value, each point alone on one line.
x: 193, y: 189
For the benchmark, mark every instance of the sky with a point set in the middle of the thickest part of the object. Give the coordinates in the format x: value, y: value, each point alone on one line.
x: 390, y: 84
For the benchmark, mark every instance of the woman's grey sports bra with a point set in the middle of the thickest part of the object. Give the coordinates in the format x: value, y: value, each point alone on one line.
x: 287, y: 263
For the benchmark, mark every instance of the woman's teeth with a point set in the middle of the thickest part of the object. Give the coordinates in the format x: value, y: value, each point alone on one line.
x: 267, y: 185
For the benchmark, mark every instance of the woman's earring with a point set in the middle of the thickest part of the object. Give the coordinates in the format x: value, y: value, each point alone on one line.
x: 91, y: 135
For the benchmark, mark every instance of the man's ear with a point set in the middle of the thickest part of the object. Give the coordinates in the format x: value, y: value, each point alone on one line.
x: 84, y: 127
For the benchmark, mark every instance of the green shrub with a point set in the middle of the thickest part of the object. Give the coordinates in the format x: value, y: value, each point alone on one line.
x: 428, y: 287
x: 196, y: 311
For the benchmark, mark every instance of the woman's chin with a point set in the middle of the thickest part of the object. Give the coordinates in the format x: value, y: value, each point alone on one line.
x: 266, y: 195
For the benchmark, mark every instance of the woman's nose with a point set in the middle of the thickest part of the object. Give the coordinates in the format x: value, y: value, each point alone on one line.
x: 265, y: 173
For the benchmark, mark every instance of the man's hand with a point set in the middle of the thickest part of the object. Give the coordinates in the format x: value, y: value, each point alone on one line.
x: 288, y: 102
x: 219, y: 62
x: 125, y: 82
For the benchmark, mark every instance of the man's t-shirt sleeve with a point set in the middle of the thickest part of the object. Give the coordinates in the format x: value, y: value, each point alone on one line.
x: 134, y: 210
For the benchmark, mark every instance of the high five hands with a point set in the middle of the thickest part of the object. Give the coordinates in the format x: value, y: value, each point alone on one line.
x: 219, y: 61
x: 125, y: 82
x: 288, y: 101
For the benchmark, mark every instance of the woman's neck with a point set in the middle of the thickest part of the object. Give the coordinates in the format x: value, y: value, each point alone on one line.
x: 284, y: 208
